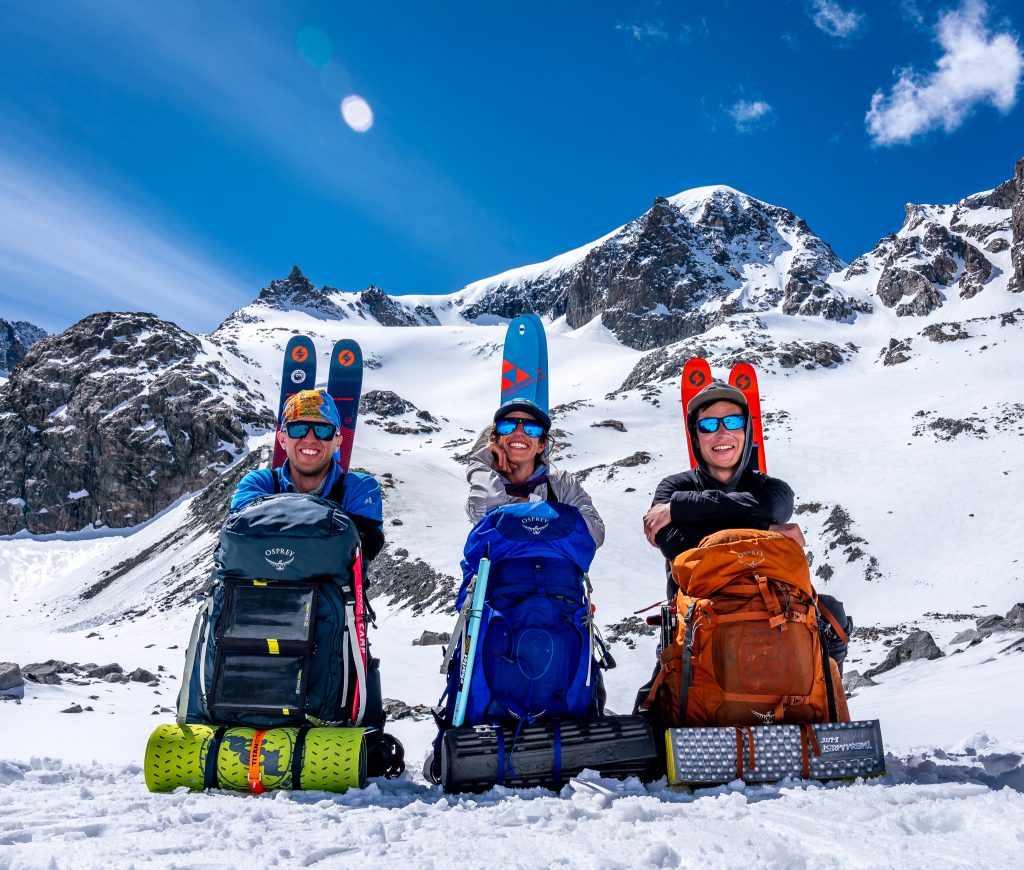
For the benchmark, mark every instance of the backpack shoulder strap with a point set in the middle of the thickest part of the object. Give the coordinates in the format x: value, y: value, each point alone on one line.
x: 277, y: 481
x: 337, y: 493
x: 551, y: 493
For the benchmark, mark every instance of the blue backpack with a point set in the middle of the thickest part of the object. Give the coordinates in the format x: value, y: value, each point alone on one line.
x: 534, y: 653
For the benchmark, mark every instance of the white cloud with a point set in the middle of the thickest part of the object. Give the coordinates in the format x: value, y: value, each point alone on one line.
x: 645, y: 31
x: 834, y: 20
x: 72, y: 249
x: 748, y: 114
x: 976, y: 68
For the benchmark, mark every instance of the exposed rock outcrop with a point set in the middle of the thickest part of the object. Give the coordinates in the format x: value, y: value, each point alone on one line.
x: 917, y: 645
x: 16, y: 337
x: 941, y: 250
x: 112, y: 420
x: 1017, y: 229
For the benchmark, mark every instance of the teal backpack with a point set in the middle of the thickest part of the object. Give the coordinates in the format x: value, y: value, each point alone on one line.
x: 280, y: 638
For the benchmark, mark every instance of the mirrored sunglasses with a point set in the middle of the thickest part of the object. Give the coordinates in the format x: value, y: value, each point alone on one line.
x: 507, y: 425
x: 707, y: 425
x: 298, y: 428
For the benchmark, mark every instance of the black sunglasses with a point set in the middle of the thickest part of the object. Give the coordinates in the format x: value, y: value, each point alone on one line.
x: 507, y: 425
x: 707, y: 425
x: 298, y: 428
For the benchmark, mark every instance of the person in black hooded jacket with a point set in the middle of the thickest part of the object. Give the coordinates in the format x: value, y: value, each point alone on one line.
x: 722, y: 492
x: 725, y: 491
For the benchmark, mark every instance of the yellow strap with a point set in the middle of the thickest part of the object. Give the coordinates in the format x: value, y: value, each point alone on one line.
x: 273, y: 646
x: 259, y: 582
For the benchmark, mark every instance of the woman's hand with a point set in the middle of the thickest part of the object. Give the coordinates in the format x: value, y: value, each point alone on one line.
x: 501, y: 461
x: 655, y: 520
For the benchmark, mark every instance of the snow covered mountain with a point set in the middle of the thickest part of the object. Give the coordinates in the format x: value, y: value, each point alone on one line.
x: 112, y: 420
x: 940, y: 251
x: 890, y: 406
x: 16, y: 337
x: 697, y: 259
x: 678, y: 270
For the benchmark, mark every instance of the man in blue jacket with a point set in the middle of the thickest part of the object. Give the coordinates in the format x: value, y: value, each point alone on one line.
x: 311, y: 437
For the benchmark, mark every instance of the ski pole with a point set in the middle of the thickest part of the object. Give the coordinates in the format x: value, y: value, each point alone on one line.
x: 472, y: 642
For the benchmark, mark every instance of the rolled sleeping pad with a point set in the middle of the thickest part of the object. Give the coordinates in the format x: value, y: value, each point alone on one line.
x: 768, y: 753
x: 201, y: 756
x: 476, y: 758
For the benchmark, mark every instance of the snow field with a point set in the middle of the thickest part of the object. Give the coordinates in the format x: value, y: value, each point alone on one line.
x: 59, y: 815
x: 71, y: 787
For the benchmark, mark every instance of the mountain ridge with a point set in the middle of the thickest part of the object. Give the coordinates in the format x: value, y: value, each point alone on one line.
x: 707, y: 254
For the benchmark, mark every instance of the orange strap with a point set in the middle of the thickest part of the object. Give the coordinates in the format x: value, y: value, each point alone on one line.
x: 759, y: 616
x: 750, y: 737
x: 255, y: 782
x: 740, y: 730
x: 654, y: 689
x: 808, y: 741
x: 771, y: 601
x: 768, y: 697
x: 739, y: 752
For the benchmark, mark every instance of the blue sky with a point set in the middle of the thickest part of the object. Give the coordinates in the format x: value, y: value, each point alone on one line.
x: 176, y: 157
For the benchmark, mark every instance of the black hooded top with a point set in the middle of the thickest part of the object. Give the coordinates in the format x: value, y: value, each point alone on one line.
x: 701, y: 504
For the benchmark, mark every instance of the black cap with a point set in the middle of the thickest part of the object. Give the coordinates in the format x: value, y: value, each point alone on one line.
x: 716, y: 391
x: 527, y: 407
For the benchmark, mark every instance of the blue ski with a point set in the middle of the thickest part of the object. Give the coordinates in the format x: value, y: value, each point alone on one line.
x: 521, y: 362
x: 542, y: 362
x: 344, y: 385
x: 298, y: 373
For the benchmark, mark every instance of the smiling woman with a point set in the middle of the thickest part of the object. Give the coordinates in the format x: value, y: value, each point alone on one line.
x: 511, y: 463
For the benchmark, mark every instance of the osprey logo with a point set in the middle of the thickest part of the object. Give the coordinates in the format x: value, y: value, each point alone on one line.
x: 535, y: 526
x: 751, y: 558
x: 765, y: 718
x: 284, y: 557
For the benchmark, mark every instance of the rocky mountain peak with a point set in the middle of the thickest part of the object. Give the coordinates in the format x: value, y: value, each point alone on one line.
x: 112, y: 420
x: 679, y: 269
x: 943, y: 250
x: 294, y: 291
x: 298, y: 293
x: 16, y: 337
x: 388, y: 311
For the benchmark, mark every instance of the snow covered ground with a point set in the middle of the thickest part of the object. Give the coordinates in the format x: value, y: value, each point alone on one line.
x: 87, y: 816
x: 939, y: 516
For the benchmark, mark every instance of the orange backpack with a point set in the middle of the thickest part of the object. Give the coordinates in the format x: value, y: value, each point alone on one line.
x: 747, y: 649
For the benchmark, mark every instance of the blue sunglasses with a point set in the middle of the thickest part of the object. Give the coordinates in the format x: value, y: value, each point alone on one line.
x: 507, y: 425
x: 732, y: 422
x: 298, y: 428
